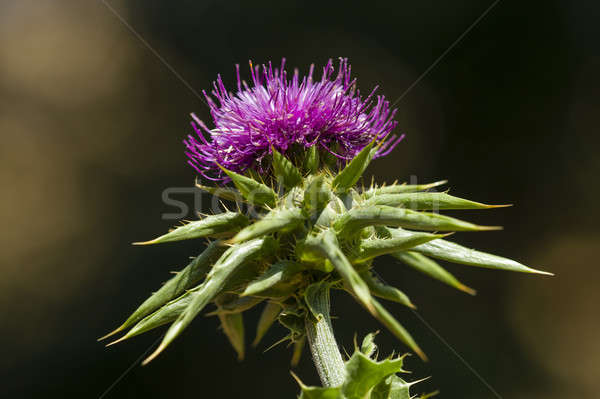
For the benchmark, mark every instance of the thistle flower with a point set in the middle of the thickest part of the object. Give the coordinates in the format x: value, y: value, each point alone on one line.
x: 315, y: 232
x: 288, y: 115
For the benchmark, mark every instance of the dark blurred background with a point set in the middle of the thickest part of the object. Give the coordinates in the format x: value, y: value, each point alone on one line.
x: 92, y: 126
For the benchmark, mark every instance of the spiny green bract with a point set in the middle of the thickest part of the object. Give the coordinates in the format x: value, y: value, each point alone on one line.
x: 367, y: 378
x: 311, y: 226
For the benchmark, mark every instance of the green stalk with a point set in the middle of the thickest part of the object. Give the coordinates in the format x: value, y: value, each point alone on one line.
x: 323, y: 346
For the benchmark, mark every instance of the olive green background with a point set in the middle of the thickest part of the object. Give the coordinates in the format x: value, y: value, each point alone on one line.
x: 92, y: 125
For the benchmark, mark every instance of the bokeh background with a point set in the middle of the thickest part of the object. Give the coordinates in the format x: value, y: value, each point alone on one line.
x: 92, y: 124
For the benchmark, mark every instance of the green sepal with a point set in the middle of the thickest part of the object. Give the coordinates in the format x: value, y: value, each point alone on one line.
x: 227, y: 193
x: 185, y: 279
x: 233, y: 303
x: 173, y: 309
x: 279, y: 280
x: 267, y: 318
x: 285, y: 171
x: 253, y: 174
x: 372, y: 248
x: 231, y: 261
x: 312, y: 298
x: 298, y: 349
x: 427, y: 201
x: 166, y: 314
x: 331, y: 212
x: 325, y: 245
x: 221, y: 225
x: 451, y: 252
x: 428, y: 395
x: 328, y: 161
x: 238, y: 280
x: 401, y: 188
x: 252, y: 190
x: 311, y: 162
x: 278, y: 220
x: 292, y: 199
x: 293, y: 322
x: 233, y: 327
x: 311, y: 256
x: 431, y: 268
x: 382, y: 290
x: 385, y: 317
x: 348, y: 177
x: 358, y: 218
x: 316, y: 195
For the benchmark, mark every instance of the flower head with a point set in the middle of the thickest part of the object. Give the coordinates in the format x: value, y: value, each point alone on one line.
x: 288, y: 115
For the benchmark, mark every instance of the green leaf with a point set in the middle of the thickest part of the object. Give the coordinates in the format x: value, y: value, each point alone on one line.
x: 427, y: 201
x: 367, y: 378
x: 311, y: 162
x: 372, y: 248
x: 185, y: 279
x: 233, y: 259
x: 401, y: 188
x: 278, y: 220
x: 325, y: 244
x: 358, y: 218
x: 253, y: 191
x: 393, y: 387
x: 348, y: 177
x: 221, y: 225
x: 451, y: 252
x: 285, y: 170
x: 364, y: 373
x: 280, y: 277
x: 316, y: 195
x: 233, y: 327
x: 381, y: 290
x: 267, y: 318
x: 320, y: 393
x: 431, y: 268
x: 368, y: 346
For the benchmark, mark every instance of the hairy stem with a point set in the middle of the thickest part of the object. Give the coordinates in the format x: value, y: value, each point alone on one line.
x: 324, y: 348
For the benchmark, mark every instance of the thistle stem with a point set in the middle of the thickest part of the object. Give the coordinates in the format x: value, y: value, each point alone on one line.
x: 323, y: 346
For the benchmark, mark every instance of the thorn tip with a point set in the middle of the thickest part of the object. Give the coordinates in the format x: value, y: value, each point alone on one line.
x: 489, y: 228
x: 118, y: 329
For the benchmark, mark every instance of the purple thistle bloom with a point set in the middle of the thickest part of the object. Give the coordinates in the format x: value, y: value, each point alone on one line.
x: 287, y: 114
